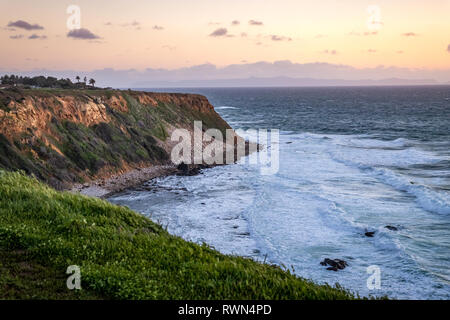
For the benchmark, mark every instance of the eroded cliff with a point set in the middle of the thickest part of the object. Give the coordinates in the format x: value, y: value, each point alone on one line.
x: 71, y: 136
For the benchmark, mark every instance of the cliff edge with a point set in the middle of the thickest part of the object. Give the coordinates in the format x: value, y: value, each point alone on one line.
x: 65, y: 137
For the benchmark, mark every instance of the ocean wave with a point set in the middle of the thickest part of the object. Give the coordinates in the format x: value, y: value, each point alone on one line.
x: 429, y: 199
x: 225, y: 107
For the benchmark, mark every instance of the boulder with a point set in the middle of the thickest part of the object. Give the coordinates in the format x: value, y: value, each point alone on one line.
x: 334, y: 264
x: 369, y: 234
x: 392, y: 228
x: 183, y: 167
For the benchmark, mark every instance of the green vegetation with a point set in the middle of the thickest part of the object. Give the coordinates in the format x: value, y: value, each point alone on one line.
x: 44, y: 82
x: 121, y: 254
x: 132, y: 137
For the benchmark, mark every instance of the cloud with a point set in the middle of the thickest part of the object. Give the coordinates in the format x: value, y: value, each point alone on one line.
x: 82, y: 34
x: 156, y: 27
x: 25, y: 25
x: 255, y: 23
x: 35, y: 36
x: 16, y: 37
x: 367, y: 33
x: 400, y: 51
x: 280, y: 38
x: 410, y: 34
x: 332, y: 52
x: 243, y: 35
x: 212, y: 23
x: 221, y: 32
x: 371, y: 51
x: 168, y: 47
x: 190, y: 76
x: 319, y: 36
x: 235, y: 23
x: 448, y: 48
x: 131, y: 24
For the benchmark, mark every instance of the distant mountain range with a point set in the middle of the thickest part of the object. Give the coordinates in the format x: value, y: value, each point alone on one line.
x: 282, y: 82
x: 258, y: 74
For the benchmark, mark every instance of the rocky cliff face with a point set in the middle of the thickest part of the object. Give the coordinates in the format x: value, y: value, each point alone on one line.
x: 70, y: 136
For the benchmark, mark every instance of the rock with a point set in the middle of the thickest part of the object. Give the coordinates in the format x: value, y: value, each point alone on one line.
x: 332, y: 268
x: 392, y: 228
x: 369, y: 234
x: 194, y: 171
x: 183, y: 167
x: 185, y: 171
x: 335, y: 264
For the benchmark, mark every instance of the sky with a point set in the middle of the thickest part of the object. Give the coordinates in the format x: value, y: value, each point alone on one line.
x: 408, y: 35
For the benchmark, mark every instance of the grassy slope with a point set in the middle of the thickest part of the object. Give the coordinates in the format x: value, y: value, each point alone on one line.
x: 121, y: 254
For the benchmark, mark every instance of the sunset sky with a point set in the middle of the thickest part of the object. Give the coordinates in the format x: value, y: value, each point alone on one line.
x: 171, y: 34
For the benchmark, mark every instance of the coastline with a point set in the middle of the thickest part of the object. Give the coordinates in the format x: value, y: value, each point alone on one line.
x: 105, y: 187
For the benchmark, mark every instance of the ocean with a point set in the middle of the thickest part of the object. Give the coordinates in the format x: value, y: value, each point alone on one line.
x: 352, y: 160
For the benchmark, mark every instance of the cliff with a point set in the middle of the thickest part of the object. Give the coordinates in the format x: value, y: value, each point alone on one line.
x: 74, y: 136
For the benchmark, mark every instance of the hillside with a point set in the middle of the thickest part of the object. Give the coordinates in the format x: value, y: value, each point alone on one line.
x: 121, y: 254
x: 73, y: 136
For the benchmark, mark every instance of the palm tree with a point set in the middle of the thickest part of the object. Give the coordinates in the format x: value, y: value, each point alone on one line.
x: 85, y: 80
x: 78, y: 79
x: 92, y: 82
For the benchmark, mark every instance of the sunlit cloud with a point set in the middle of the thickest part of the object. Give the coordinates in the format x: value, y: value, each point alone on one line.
x: 16, y: 37
x: 168, y: 47
x: 410, y: 34
x: 255, y: 23
x: 280, y: 38
x: 221, y: 32
x: 35, y: 36
x: 332, y: 52
x: 25, y: 25
x: 367, y: 33
x: 158, y: 28
x: 235, y: 22
x: 82, y: 34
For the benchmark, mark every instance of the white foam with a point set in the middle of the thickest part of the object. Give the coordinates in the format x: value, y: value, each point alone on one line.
x: 428, y: 198
x: 225, y: 107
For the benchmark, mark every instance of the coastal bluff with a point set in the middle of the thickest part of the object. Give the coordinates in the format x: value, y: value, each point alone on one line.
x: 67, y: 137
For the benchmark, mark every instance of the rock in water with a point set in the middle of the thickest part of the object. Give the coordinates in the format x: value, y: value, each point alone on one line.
x: 332, y: 268
x: 183, y: 167
x: 392, y: 228
x: 335, y: 264
x: 369, y: 234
